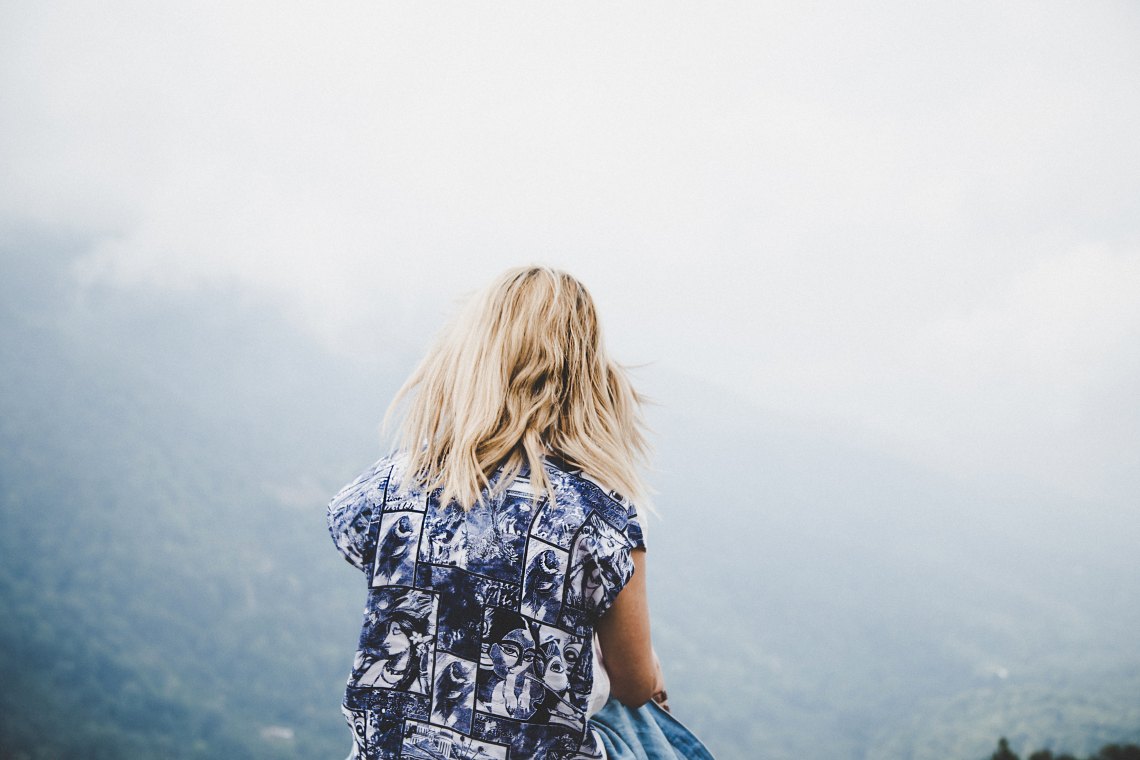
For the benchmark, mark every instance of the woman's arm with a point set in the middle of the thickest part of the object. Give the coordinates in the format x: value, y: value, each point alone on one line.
x: 624, y: 634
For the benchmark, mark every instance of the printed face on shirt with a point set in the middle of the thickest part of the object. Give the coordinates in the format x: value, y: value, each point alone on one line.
x: 555, y: 666
x: 453, y: 694
x: 395, y: 640
x: 543, y: 583
x: 545, y: 571
x: 514, y: 653
x: 360, y: 729
x: 573, y: 653
x: 598, y: 582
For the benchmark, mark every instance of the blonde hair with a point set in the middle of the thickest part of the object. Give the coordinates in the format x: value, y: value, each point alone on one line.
x: 520, y: 374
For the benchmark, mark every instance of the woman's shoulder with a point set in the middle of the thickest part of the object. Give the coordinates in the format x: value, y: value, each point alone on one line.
x: 596, y: 498
x: 374, y: 478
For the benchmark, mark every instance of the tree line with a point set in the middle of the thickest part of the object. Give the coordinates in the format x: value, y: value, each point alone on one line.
x: 1107, y: 752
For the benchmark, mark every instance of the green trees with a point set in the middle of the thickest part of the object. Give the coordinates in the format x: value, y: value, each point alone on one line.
x: 1107, y: 752
x: 1003, y: 752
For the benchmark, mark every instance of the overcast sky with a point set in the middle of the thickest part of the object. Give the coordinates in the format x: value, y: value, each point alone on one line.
x: 915, y: 222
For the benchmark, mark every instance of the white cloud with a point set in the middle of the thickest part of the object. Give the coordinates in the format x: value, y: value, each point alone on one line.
x: 1023, y: 385
x: 835, y: 208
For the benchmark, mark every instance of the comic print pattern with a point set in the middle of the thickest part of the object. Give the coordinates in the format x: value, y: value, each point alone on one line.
x: 352, y: 514
x: 453, y: 698
x: 397, y: 641
x: 599, y: 569
x: 399, y: 545
x: 477, y: 639
x: 428, y: 742
x: 543, y: 581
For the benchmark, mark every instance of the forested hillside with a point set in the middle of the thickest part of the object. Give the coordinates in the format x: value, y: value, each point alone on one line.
x: 1107, y: 752
x: 167, y: 587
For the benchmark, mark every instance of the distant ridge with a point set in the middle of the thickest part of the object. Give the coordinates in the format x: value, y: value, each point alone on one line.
x: 167, y: 588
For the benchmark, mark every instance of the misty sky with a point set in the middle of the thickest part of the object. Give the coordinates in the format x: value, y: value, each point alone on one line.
x: 916, y: 224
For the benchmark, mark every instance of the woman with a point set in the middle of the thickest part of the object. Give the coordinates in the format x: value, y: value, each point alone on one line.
x: 496, y: 543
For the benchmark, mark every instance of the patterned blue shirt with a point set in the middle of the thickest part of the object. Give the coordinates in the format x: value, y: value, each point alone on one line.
x: 478, y: 629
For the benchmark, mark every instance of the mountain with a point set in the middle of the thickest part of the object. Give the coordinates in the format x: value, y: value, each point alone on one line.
x: 821, y: 600
x: 168, y: 589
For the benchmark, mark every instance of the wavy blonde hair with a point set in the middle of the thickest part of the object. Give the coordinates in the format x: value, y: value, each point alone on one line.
x: 521, y: 373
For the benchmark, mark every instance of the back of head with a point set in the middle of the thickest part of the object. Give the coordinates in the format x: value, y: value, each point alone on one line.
x: 520, y: 374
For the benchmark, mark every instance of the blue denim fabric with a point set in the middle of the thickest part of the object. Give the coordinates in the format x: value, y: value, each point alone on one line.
x: 647, y: 733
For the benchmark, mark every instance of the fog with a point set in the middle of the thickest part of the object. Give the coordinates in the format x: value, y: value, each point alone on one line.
x: 916, y: 224
x: 880, y: 235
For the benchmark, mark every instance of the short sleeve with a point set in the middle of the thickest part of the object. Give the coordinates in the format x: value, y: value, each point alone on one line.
x: 601, y: 561
x: 353, y: 513
x: 635, y: 528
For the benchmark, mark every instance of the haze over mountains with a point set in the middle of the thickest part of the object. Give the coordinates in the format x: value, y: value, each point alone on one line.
x: 167, y: 587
